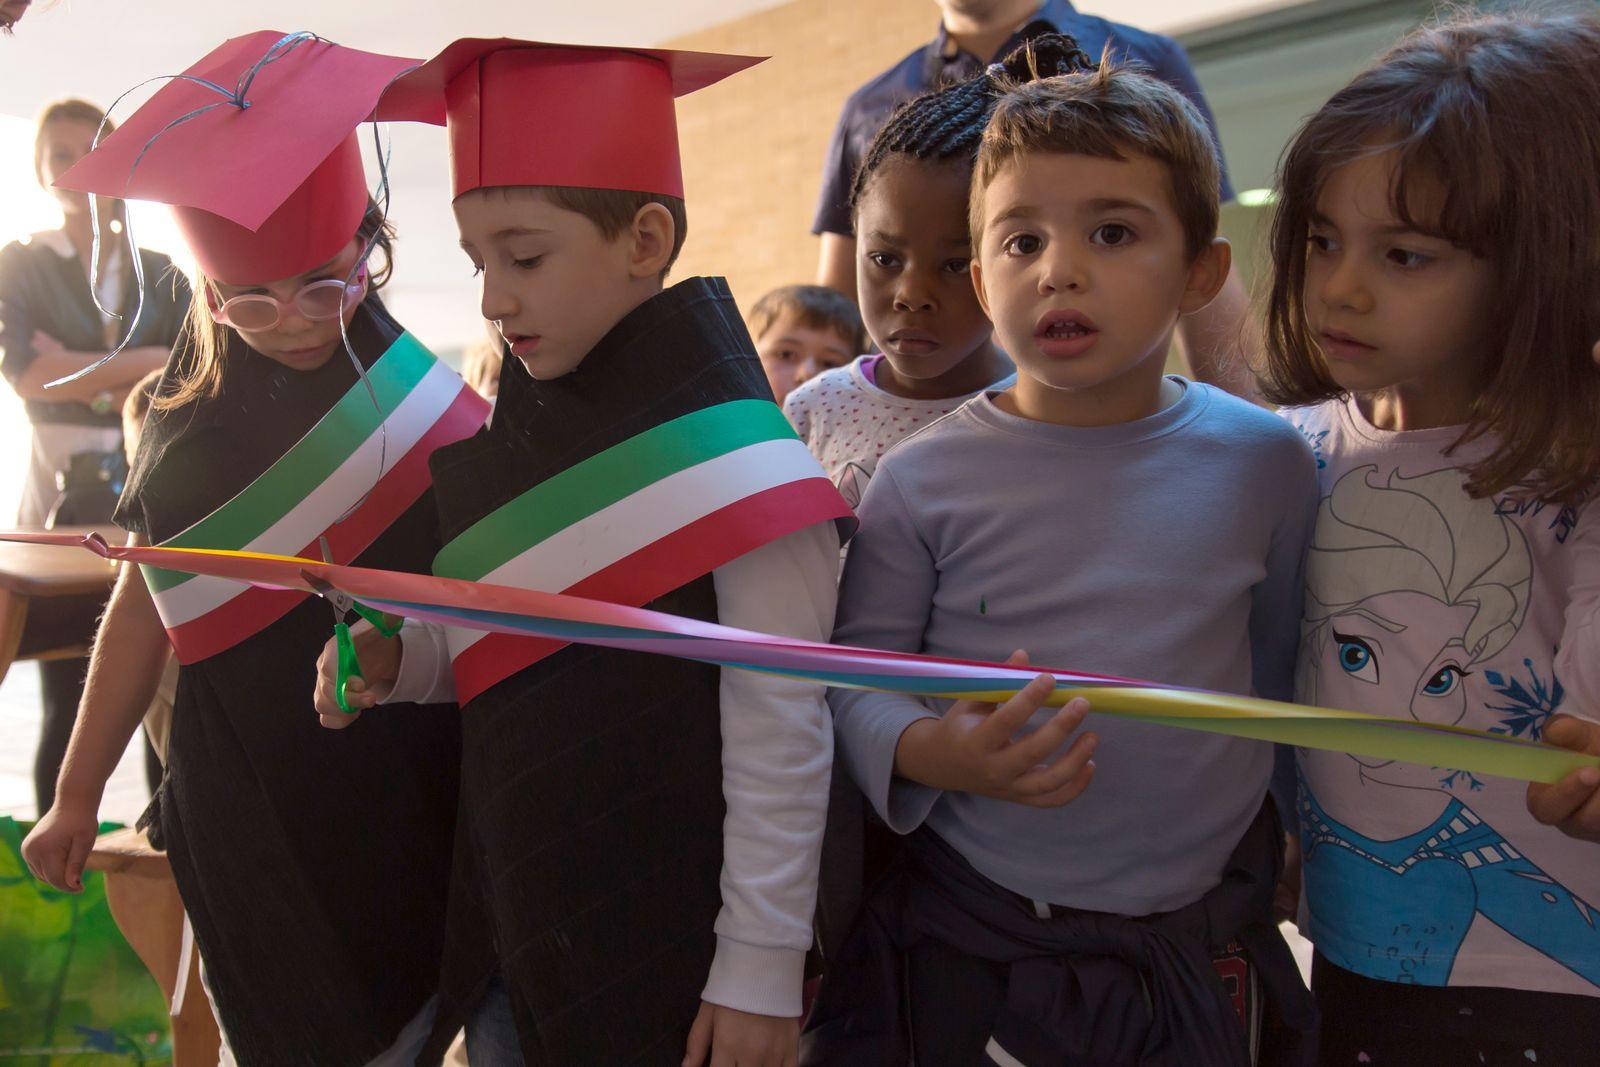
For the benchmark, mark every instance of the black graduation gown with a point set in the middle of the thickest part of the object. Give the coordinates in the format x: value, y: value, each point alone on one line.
x: 590, y: 841
x: 313, y: 863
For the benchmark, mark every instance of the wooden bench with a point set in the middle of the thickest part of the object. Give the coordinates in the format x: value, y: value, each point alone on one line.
x: 144, y: 901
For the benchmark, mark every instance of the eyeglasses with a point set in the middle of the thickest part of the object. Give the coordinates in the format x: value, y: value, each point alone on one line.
x: 319, y: 301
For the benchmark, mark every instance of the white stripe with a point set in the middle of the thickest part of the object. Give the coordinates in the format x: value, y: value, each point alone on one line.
x: 415, y: 415
x: 617, y: 531
x: 1000, y: 1056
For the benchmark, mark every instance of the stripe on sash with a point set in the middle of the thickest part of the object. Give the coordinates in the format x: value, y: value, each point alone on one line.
x: 297, y: 500
x: 639, y: 520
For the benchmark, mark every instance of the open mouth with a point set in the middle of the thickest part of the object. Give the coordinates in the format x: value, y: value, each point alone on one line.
x: 1065, y: 333
x: 1057, y: 327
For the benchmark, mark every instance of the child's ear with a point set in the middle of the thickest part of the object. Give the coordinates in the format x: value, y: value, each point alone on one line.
x: 1206, y: 275
x: 652, y: 236
x: 976, y: 270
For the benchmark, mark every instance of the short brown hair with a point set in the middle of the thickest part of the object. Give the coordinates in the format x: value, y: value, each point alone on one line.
x: 612, y: 210
x: 1502, y: 115
x: 815, y: 306
x: 1107, y: 112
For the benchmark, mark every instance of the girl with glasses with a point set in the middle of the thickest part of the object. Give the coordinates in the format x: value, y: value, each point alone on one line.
x: 296, y: 417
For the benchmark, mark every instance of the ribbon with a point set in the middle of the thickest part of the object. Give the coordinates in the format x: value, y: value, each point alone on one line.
x: 523, y: 612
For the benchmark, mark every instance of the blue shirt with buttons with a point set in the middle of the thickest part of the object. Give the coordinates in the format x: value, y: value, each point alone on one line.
x: 940, y: 62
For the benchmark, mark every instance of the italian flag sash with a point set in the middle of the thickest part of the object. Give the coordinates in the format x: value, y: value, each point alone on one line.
x: 638, y: 520
x: 422, y: 405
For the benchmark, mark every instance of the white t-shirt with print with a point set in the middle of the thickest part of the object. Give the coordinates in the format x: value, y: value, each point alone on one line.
x: 848, y: 422
x: 1423, y: 602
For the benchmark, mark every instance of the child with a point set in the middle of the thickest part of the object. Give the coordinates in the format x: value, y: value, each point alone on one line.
x: 801, y: 331
x: 937, y: 350
x: 640, y: 834
x: 1434, y: 245
x: 313, y: 867
x: 1105, y: 517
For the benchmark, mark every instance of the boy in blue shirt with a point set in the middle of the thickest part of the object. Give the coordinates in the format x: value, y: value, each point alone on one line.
x: 1109, y: 518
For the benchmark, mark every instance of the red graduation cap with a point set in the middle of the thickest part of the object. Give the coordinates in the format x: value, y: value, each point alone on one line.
x: 534, y: 113
x: 266, y: 184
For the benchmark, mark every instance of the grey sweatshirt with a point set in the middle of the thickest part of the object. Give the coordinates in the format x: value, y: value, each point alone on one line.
x: 1169, y: 549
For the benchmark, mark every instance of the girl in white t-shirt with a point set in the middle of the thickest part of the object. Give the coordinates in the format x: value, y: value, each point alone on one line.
x: 1432, y: 313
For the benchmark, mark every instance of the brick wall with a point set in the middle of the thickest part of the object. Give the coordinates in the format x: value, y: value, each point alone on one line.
x: 753, y: 145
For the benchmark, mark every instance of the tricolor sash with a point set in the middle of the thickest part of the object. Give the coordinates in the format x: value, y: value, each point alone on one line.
x: 421, y: 405
x: 638, y: 520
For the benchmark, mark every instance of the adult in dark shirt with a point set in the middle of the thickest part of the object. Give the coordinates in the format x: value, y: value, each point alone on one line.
x: 972, y: 34
x: 50, y: 327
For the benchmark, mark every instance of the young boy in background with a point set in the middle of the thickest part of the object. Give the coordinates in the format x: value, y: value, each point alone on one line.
x: 801, y: 331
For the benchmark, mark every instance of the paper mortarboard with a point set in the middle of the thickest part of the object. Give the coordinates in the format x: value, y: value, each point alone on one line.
x: 265, y: 184
x: 534, y: 113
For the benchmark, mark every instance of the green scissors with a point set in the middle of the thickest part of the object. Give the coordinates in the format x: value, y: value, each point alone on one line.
x: 343, y: 604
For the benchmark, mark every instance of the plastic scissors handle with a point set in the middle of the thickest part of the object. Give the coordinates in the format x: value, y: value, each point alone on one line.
x: 386, y: 624
x: 349, y: 665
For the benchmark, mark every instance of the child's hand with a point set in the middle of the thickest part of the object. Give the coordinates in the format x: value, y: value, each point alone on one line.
x: 380, y: 665
x: 57, y: 847
x: 1571, y: 805
x: 973, y: 748
x: 740, y: 1039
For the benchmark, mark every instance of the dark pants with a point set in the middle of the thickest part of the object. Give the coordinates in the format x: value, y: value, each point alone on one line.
x: 1387, y: 1024
x: 60, y: 689
x: 938, y: 976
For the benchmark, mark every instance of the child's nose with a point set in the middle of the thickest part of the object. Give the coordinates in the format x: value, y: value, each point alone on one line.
x: 496, y: 303
x: 913, y: 294
x: 1063, y: 271
x: 1345, y: 287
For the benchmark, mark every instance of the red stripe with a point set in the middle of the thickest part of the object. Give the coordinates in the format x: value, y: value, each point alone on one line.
x: 660, y: 567
x: 254, y: 609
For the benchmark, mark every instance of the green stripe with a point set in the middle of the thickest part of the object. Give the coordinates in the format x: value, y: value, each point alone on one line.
x: 607, y: 477
x: 310, y: 462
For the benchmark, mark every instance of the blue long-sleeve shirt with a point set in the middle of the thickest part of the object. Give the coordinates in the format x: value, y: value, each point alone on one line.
x: 1169, y: 548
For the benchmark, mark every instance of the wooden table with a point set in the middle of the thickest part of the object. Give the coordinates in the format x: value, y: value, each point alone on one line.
x: 34, y: 572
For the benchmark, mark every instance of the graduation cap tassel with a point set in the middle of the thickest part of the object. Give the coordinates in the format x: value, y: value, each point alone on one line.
x: 235, y: 97
x: 382, y: 152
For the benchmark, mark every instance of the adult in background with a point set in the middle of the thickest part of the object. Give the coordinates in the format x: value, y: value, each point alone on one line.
x: 50, y: 327
x: 973, y: 34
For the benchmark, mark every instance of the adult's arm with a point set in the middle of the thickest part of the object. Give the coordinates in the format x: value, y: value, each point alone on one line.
x: 836, y: 263
x: 51, y: 361
x: 1222, y: 341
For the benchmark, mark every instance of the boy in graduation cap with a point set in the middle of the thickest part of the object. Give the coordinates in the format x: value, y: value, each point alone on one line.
x: 314, y: 867
x: 640, y: 834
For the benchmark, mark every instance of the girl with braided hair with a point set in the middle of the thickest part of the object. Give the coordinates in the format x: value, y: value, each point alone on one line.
x: 934, y: 345
x: 934, y: 351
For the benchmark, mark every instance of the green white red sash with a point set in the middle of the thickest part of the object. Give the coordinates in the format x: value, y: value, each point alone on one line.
x: 422, y: 405
x: 638, y: 520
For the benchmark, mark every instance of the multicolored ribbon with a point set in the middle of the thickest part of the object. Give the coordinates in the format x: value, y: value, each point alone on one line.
x: 500, y: 609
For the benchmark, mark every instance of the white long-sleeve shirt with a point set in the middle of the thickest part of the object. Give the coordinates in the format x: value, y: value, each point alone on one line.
x: 777, y: 751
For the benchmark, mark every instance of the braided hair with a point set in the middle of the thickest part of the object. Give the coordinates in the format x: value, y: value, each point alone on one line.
x: 947, y: 124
